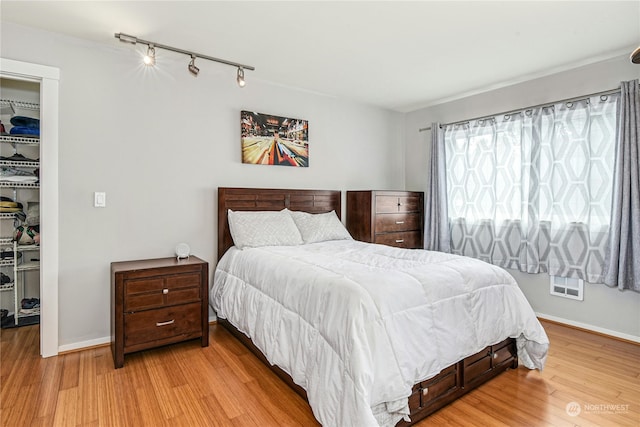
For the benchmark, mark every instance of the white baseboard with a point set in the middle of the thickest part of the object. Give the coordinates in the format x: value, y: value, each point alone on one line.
x: 588, y: 327
x: 83, y: 344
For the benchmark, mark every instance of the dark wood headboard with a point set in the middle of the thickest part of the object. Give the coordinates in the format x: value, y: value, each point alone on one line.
x: 266, y: 199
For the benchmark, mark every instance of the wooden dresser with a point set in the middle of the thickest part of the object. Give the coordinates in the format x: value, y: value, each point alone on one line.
x: 156, y: 302
x: 393, y: 218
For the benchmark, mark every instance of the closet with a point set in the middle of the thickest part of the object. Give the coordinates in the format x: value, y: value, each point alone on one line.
x: 19, y: 202
x: 38, y: 84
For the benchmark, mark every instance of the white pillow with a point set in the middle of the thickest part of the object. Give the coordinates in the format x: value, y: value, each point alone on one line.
x: 320, y: 227
x: 263, y: 228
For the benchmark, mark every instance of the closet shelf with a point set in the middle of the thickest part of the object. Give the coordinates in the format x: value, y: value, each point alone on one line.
x: 25, y: 248
x: 20, y: 104
x: 19, y: 164
x: 27, y: 266
x: 10, y: 184
x: 19, y: 140
x: 6, y: 240
x: 6, y: 287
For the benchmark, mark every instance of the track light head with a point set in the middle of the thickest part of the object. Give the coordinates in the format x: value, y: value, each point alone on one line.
x: 240, y: 78
x: 125, y: 38
x: 192, y: 66
x: 150, y: 57
x: 635, y: 56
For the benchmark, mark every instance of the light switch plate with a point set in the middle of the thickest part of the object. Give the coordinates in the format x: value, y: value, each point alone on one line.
x: 99, y: 199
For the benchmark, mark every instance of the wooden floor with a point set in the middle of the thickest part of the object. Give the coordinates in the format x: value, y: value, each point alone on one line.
x: 589, y: 380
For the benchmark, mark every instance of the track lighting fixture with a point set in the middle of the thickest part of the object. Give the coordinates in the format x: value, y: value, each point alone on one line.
x: 192, y: 67
x: 150, y: 58
x: 240, y: 78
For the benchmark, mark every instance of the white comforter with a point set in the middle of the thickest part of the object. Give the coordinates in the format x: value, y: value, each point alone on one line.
x: 357, y: 324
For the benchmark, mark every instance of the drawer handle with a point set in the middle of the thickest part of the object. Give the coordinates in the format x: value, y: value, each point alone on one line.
x: 425, y: 391
x: 165, y: 291
x: 168, y: 322
x: 399, y: 240
x: 399, y: 222
x: 495, y: 355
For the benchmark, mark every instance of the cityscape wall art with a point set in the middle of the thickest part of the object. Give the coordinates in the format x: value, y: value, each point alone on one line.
x: 274, y: 140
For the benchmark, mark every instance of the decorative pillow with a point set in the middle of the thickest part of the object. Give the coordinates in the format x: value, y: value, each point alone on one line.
x: 320, y: 227
x: 263, y: 228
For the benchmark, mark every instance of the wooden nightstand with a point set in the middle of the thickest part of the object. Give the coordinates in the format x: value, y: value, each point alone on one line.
x: 156, y: 302
x: 393, y: 218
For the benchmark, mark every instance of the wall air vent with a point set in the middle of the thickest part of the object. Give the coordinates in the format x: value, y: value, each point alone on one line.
x: 566, y: 287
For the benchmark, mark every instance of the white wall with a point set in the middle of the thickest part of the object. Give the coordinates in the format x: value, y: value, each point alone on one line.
x: 604, y: 309
x: 159, y: 142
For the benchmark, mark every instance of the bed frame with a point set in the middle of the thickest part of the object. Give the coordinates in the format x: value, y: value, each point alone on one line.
x: 427, y: 396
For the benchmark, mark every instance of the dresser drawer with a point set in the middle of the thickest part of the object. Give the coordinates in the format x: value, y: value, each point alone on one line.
x: 405, y: 239
x: 396, y: 204
x: 397, y: 222
x: 159, y: 324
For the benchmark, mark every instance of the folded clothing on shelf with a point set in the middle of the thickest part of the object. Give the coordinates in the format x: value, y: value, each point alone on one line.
x: 23, y: 130
x: 24, y: 121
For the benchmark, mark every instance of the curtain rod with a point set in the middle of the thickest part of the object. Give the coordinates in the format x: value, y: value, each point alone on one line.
x: 547, y: 104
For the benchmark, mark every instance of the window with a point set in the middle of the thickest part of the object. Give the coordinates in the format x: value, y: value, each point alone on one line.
x: 532, y: 190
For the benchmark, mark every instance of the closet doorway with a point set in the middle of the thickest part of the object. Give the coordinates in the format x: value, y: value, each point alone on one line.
x: 40, y: 82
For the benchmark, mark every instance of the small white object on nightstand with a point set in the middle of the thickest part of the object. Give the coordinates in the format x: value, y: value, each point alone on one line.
x: 183, y: 250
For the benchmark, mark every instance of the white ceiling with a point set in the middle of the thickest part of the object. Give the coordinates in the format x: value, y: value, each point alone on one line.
x: 397, y: 55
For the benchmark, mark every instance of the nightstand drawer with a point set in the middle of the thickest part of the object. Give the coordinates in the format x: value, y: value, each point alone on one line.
x: 153, y: 325
x: 159, y: 283
x: 142, y: 294
x: 405, y: 239
x: 397, y: 222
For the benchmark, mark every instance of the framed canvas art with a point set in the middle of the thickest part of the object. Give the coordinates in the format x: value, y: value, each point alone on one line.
x: 274, y: 140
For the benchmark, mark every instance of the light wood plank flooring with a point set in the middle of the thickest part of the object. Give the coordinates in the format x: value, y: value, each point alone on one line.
x: 225, y: 385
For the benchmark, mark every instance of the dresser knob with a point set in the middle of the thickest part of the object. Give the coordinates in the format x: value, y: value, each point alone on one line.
x: 399, y: 222
x: 165, y: 291
x: 425, y: 391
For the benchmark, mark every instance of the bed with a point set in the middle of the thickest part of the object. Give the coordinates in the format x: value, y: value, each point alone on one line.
x: 368, y: 334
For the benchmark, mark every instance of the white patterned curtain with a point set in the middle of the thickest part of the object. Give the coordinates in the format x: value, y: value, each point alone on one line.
x: 532, y: 190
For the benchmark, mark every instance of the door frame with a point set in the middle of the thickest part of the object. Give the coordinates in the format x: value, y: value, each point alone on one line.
x: 48, y: 78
